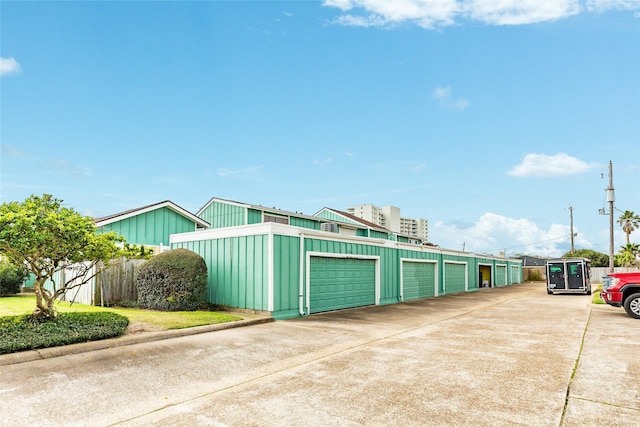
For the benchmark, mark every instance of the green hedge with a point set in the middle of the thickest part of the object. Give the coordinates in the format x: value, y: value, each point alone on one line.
x: 11, y: 278
x: 172, y: 281
x: 21, y: 333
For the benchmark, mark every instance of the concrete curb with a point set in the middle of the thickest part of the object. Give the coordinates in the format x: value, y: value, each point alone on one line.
x: 47, y: 353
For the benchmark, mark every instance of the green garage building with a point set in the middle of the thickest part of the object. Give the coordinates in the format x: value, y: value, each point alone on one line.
x: 292, y: 265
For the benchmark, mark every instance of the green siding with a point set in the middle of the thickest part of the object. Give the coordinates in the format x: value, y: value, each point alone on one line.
x: 473, y: 274
x: 221, y: 215
x: 237, y: 270
x: 389, y: 276
x: 304, y: 223
x: 254, y: 216
x: 418, y: 280
x: 338, y: 283
x: 454, y: 278
x: 330, y: 216
x: 151, y: 228
x: 378, y: 235
x: 286, y: 273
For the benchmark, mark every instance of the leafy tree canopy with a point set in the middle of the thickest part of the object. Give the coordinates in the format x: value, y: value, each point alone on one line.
x: 46, y: 237
x: 598, y: 259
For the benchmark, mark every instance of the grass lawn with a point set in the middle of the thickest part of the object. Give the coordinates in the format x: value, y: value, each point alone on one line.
x: 25, y: 304
x: 595, y: 296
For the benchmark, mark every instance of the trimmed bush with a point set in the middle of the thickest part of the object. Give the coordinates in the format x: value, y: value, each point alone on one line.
x: 23, y: 332
x: 175, y: 280
x: 11, y: 278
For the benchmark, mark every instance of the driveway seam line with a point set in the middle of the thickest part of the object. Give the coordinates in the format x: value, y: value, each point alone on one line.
x: 575, y: 370
x: 306, y: 362
x: 584, y: 399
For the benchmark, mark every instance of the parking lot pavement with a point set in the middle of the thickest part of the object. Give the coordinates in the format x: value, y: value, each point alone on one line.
x: 606, y: 387
x: 495, y: 357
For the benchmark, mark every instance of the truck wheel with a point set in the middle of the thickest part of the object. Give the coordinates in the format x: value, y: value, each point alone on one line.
x: 549, y: 292
x: 588, y: 292
x: 632, y: 305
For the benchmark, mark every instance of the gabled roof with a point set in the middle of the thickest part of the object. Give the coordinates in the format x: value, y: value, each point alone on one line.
x: 256, y: 207
x: 139, y: 211
x: 353, y: 218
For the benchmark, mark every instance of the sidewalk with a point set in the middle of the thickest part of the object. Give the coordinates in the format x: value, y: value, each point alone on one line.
x: 132, y: 338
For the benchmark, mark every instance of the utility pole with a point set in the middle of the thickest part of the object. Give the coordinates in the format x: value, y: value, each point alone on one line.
x: 571, y: 217
x: 610, y: 199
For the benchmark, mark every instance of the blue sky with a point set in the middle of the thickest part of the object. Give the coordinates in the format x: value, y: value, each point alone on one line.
x: 489, y: 118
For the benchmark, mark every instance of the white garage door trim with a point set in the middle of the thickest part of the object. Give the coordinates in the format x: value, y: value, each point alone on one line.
x: 444, y: 274
x: 503, y: 267
x: 426, y: 261
x: 343, y: 256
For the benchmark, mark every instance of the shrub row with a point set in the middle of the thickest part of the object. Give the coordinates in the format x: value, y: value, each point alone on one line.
x: 21, y: 333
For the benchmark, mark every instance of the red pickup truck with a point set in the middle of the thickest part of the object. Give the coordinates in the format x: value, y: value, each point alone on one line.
x: 622, y: 290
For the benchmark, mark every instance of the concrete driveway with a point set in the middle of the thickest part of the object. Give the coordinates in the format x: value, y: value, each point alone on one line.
x: 495, y: 357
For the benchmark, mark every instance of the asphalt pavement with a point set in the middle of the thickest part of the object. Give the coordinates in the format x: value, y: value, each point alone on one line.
x: 497, y: 357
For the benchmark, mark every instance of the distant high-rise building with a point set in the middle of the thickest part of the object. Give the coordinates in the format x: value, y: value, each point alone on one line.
x: 389, y: 218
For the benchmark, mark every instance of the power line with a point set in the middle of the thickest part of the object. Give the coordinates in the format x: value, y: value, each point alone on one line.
x: 566, y: 236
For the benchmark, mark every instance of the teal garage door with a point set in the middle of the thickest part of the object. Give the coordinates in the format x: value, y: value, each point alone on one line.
x: 337, y: 283
x: 418, y: 280
x: 501, y: 275
x: 515, y: 275
x: 454, y: 277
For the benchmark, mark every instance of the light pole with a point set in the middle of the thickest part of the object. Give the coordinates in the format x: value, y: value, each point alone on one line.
x: 610, y: 199
x: 572, y: 234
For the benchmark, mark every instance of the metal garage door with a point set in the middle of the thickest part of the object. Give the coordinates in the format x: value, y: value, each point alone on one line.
x: 515, y: 274
x: 501, y: 275
x: 418, y: 280
x: 455, y: 277
x: 337, y: 283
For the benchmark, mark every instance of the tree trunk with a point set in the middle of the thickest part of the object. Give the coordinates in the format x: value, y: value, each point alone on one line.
x: 44, y: 300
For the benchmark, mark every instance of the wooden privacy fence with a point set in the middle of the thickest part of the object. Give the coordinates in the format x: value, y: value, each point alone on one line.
x: 117, y: 283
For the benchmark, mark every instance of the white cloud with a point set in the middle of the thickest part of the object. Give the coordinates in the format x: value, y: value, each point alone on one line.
x: 442, y: 92
x: 493, y: 233
x: 518, y: 12
x: 603, y: 5
x: 442, y: 13
x: 9, y: 66
x: 11, y: 151
x: 238, y: 172
x: 324, y: 161
x: 446, y: 99
x: 340, y: 4
x: 543, y: 165
x: 379, y: 13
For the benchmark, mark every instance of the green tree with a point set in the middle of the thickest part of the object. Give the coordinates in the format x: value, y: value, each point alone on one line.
x: 48, y: 238
x: 598, y: 259
x: 629, y: 222
x: 628, y: 255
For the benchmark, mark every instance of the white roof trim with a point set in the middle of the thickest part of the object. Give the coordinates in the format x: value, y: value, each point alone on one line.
x: 130, y: 214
